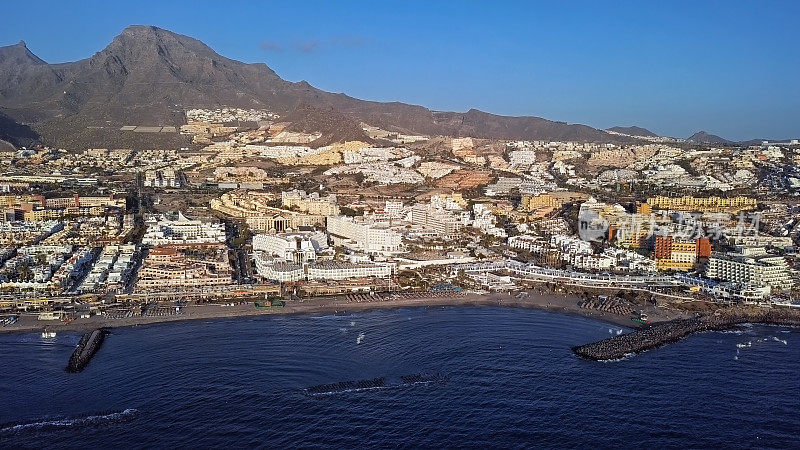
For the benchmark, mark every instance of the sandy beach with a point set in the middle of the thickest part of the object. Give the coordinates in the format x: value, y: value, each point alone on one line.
x: 564, y: 303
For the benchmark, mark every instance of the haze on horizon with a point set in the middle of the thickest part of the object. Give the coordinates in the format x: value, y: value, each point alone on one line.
x: 729, y: 68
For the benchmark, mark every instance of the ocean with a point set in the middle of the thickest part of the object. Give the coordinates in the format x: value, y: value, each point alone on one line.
x: 507, y: 379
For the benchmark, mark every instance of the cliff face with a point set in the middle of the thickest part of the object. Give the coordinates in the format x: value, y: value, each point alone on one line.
x: 150, y: 76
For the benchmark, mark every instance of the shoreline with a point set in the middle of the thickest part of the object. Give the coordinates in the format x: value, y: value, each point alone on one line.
x: 553, y: 302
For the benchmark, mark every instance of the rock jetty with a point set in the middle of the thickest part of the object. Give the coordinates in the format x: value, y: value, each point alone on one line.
x: 88, y: 345
x: 667, y: 332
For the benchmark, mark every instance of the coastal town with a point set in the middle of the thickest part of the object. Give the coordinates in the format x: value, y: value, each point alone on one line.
x: 257, y: 216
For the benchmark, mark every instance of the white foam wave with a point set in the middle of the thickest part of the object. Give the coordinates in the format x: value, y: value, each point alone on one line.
x: 782, y: 341
x: 733, y: 332
x: 613, y: 360
x: 344, y: 391
x: 73, y: 422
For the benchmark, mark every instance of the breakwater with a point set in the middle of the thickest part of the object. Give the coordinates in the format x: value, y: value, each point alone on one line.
x: 667, y: 332
x: 375, y: 383
x: 88, y: 345
x: 346, y: 386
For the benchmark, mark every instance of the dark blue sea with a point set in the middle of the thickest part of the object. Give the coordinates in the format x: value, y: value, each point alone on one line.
x: 509, y: 380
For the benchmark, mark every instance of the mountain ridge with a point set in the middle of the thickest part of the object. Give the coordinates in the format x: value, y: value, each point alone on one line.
x: 149, y: 76
x: 633, y: 131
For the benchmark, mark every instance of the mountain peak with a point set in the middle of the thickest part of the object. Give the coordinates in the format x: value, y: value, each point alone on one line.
x: 145, y: 36
x: 18, y: 54
x: 702, y: 137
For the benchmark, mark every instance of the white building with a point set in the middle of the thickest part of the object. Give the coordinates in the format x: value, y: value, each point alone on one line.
x: 751, y: 266
x: 310, y: 203
x: 503, y: 186
x: 337, y: 270
x: 281, y: 271
x: 299, y: 248
x: 394, y: 210
x: 165, y: 177
x: 431, y: 218
x: 368, y: 236
x: 178, y: 229
x: 321, y: 270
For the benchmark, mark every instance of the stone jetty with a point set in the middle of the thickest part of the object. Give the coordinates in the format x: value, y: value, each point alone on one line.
x: 88, y: 345
x: 667, y: 332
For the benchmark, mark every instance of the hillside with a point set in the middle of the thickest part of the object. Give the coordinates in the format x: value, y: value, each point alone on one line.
x: 701, y: 137
x: 633, y: 131
x: 16, y: 134
x: 150, y: 76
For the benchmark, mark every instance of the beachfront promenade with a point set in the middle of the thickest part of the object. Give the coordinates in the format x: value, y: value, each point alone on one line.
x: 532, y: 272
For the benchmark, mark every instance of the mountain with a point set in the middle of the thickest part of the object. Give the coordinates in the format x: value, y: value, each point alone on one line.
x: 633, y: 131
x: 701, y: 137
x: 150, y: 76
x: 15, y: 134
x: 334, y: 126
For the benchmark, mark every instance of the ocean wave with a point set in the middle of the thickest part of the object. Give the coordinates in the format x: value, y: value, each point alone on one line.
x: 734, y: 331
x: 749, y: 344
x: 613, y: 360
x: 93, y: 420
x: 782, y: 341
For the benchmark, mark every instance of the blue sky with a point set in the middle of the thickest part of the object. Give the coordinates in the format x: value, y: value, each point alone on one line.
x: 730, y: 68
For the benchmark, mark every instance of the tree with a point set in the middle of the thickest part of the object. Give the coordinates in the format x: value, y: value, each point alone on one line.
x: 41, y: 258
x: 351, y: 212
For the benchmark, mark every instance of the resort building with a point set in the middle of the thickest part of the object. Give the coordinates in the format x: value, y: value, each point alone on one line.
x: 175, y: 228
x: 276, y: 270
x: 752, y: 266
x: 310, y: 203
x: 182, y: 267
x: 679, y: 254
x: 338, y: 270
x: 254, y: 208
x: 371, y: 237
x: 703, y: 204
x: 299, y: 248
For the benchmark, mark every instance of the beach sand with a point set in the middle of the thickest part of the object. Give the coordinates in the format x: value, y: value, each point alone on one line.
x: 564, y: 303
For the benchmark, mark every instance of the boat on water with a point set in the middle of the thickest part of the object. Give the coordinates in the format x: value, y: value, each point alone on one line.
x: 48, y: 334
